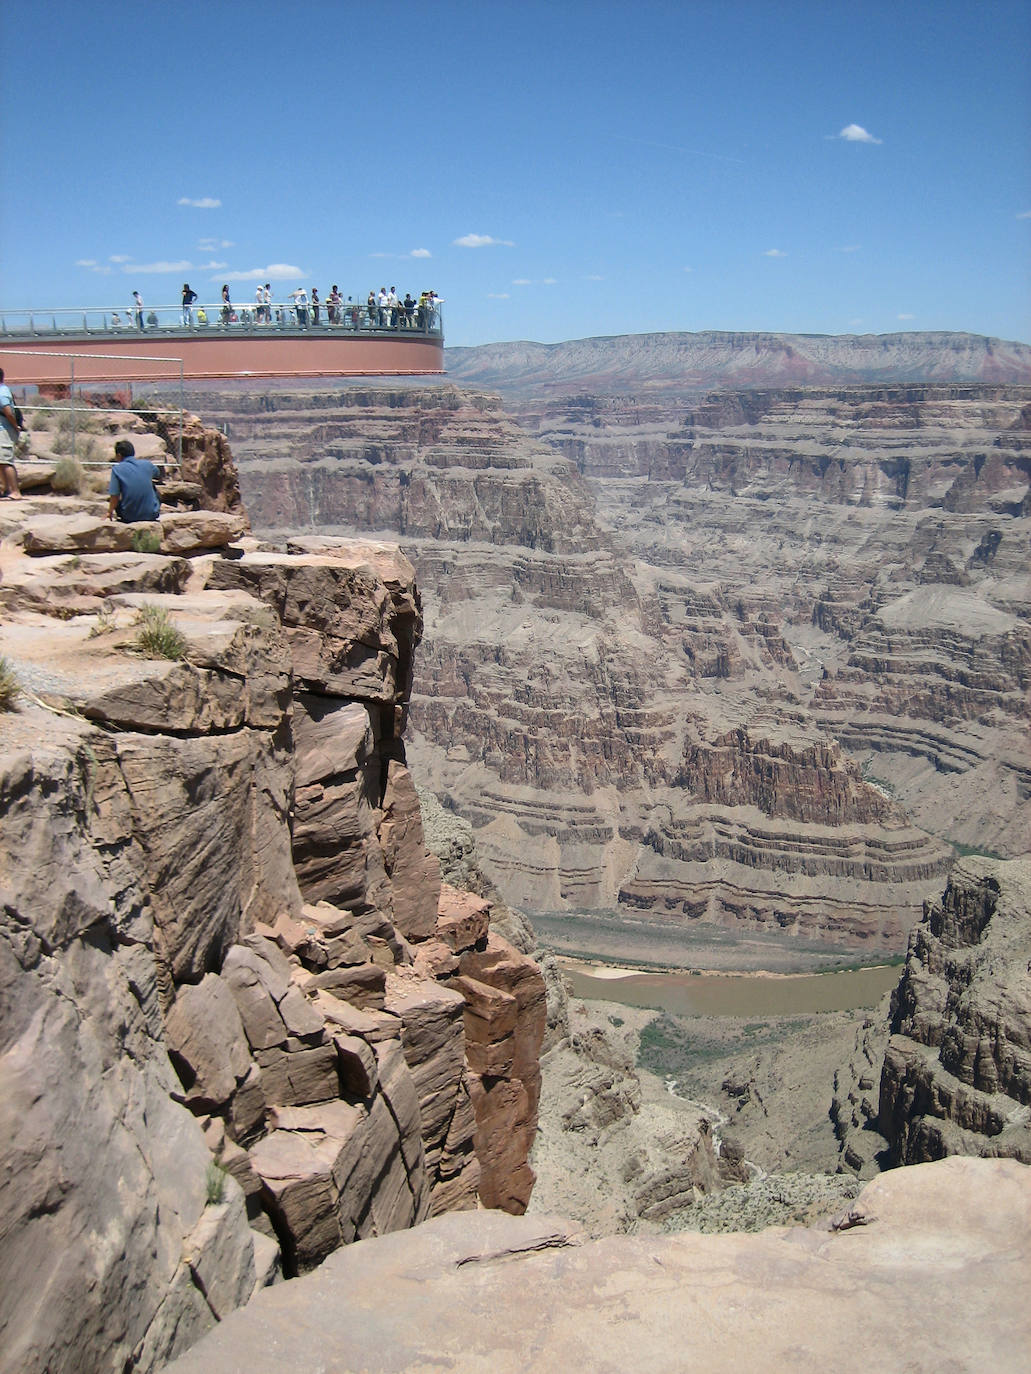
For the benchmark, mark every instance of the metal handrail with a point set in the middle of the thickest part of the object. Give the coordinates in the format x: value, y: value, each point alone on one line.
x: 175, y: 321
x: 72, y: 358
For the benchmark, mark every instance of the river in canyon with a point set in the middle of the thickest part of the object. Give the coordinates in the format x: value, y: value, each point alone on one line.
x: 687, y: 993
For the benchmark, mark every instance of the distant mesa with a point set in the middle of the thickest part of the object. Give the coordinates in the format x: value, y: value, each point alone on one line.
x: 693, y: 363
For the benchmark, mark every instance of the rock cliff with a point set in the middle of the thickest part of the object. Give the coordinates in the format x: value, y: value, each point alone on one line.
x: 242, y: 1022
x: 957, y: 1070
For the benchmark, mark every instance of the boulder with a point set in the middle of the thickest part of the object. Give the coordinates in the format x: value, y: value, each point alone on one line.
x: 185, y: 532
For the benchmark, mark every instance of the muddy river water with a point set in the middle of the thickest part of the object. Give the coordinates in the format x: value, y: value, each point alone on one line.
x: 733, y: 994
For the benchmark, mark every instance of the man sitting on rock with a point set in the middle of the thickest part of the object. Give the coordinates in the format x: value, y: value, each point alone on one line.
x: 131, y: 492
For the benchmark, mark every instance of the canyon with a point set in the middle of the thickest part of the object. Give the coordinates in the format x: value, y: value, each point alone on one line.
x: 260, y: 1002
x: 753, y: 661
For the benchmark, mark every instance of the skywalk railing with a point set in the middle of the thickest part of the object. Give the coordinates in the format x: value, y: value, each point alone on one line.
x: 172, y: 321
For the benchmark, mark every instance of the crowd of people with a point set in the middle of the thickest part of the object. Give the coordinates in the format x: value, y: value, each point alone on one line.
x: 382, y: 309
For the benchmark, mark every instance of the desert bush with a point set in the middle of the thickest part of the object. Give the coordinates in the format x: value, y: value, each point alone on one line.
x: 69, y: 477
x: 214, y: 1184
x: 105, y: 623
x: 10, y: 687
x: 145, y: 541
x: 158, y: 637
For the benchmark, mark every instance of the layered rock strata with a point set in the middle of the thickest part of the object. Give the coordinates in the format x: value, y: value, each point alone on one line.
x: 234, y: 990
x: 618, y: 689
x: 957, y: 1071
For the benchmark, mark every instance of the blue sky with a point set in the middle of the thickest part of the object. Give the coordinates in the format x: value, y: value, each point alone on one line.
x: 553, y: 170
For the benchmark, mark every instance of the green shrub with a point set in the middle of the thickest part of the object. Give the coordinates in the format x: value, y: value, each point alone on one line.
x: 214, y: 1184
x: 145, y: 541
x: 69, y: 477
x: 158, y: 637
x: 10, y: 687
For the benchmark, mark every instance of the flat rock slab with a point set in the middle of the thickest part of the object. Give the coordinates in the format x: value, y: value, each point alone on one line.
x: 929, y: 1272
x: 178, y: 531
x: 83, y: 533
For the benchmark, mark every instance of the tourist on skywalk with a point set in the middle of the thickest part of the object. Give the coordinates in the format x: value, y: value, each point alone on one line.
x: 259, y: 304
x: 227, y: 304
x: 300, y: 299
x: 266, y: 297
x: 315, y: 304
x: 383, y: 307
x: 188, y: 298
x: 333, y: 305
x: 137, y: 306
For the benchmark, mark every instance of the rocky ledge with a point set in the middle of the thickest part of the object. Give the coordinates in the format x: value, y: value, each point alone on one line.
x: 925, y: 1271
x: 242, y: 1022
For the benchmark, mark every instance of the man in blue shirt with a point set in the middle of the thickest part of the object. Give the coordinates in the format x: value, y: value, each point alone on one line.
x: 131, y: 491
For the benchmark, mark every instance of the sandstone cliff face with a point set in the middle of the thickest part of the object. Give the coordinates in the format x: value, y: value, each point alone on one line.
x: 241, y: 1022
x: 957, y: 1070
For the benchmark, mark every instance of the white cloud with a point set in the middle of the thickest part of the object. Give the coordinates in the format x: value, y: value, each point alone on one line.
x: 210, y: 267
x: 415, y: 253
x: 549, y: 281
x: 277, y: 271
x: 1024, y: 214
x: 774, y: 253
x: 688, y: 269
x: 849, y: 248
x: 202, y: 203
x: 497, y: 295
x: 905, y: 317
x: 522, y: 281
x: 213, y: 245
x: 119, y: 258
x: 593, y: 276
x: 855, y: 133
x: 92, y: 265
x: 482, y: 241
x: 156, y: 268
